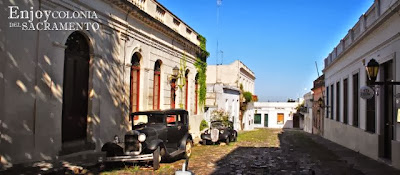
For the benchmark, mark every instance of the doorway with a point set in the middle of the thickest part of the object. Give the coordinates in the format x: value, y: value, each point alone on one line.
x: 387, y: 110
x: 265, y: 120
x: 296, y: 121
x: 75, y: 88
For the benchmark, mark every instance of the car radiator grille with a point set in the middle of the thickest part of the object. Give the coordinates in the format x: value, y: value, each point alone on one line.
x: 131, y: 143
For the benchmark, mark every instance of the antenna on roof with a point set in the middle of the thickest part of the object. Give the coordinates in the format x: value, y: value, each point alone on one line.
x: 316, y: 65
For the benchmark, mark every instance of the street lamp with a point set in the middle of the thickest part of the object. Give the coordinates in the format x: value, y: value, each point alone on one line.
x: 372, y: 70
x: 175, y: 71
x: 320, y: 102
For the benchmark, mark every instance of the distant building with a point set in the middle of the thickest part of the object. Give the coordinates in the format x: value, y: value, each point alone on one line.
x: 274, y: 114
x: 307, y: 112
x: 68, y: 92
x: 223, y: 97
x: 234, y: 74
x: 227, y: 78
x: 369, y: 126
x: 318, y: 110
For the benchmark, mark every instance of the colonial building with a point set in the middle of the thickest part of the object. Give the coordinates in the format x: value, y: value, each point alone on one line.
x: 236, y: 77
x: 318, y: 111
x: 275, y: 114
x: 307, y: 112
x: 70, y: 91
x: 368, y: 125
x: 234, y: 74
x: 222, y: 97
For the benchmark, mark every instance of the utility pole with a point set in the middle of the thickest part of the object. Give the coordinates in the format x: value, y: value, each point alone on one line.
x: 219, y: 2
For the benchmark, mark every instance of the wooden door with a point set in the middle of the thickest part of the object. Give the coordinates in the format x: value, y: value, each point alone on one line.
x: 296, y: 121
x: 388, y: 110
x: 134, y: 90
x: 75, y: 88
x: 265, y: 120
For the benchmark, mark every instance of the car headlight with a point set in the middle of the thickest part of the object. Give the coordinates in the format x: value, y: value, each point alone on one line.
x: 142, y: 137
x: 116, y: 139
x: 221, y: 131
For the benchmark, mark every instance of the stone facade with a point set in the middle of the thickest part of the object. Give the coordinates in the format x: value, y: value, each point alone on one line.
x: 369, y: 126
x: 32, y: 75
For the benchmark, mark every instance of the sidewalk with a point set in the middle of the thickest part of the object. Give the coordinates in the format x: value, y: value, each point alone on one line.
x: 358, y: 161
x: 72, y: 164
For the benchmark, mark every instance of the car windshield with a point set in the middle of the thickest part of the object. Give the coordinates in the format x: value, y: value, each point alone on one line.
x: 148, y: 119
x: 217, y: 125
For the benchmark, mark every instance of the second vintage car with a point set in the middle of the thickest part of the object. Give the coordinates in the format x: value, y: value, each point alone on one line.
x: 155, y: 135
x: 219, y: 131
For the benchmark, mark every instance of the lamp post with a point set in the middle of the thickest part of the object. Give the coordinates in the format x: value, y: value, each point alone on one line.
x: 372, y: 71
x: 175, y: 72
x: 320, y: 103
x: 179, y: 74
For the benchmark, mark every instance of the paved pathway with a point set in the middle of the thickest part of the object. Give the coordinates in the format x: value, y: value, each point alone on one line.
x: 265, y: 151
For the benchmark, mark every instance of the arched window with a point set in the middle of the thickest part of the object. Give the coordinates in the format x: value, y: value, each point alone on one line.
x: 135, y: 83
x: 196, y: 93
x: 75, y: 88
x: 156, y: 85
x: 186, y: 89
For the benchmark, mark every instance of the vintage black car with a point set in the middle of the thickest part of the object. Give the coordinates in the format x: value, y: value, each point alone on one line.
x: 219, y: 131
x: 155, y: 135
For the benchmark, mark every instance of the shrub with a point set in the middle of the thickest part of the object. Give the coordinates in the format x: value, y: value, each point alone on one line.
x: 248, y: 96
x: 203, y: 125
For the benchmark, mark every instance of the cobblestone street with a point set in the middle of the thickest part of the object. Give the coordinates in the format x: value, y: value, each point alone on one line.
x: 272, y: 151
x: 263, y: 151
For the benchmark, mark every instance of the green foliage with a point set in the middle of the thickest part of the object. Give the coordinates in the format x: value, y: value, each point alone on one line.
x: 201, y: 80
x: 203, y: 55
x: 201, y: 66
x: 299, y: 106
x: 203, y: 125
x: 248, y: 96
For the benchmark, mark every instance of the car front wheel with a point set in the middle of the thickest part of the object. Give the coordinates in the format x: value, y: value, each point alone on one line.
x: 156, y: 159
x: 188, y: 149
x: 234, y: 137
x: 227, y: 141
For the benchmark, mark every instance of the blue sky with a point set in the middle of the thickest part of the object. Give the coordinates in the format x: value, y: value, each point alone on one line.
x: 279, y: 40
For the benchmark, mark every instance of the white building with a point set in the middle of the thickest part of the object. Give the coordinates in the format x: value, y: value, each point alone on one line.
x: 307, y: 112
x: 371, y: 127
x: 68, y: 92
x: 274, y: 114
x: 234, y: 74
x: 221, y: 97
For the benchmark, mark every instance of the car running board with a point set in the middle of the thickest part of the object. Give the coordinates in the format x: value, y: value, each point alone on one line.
x: 177, y: 152
x: 143, y: 157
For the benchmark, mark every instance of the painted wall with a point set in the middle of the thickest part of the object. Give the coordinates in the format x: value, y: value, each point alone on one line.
x: 308, y: 114
x: 375, y: 36
x: 272, y: 109
x: 232, y: 74
x: 31, y: 78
